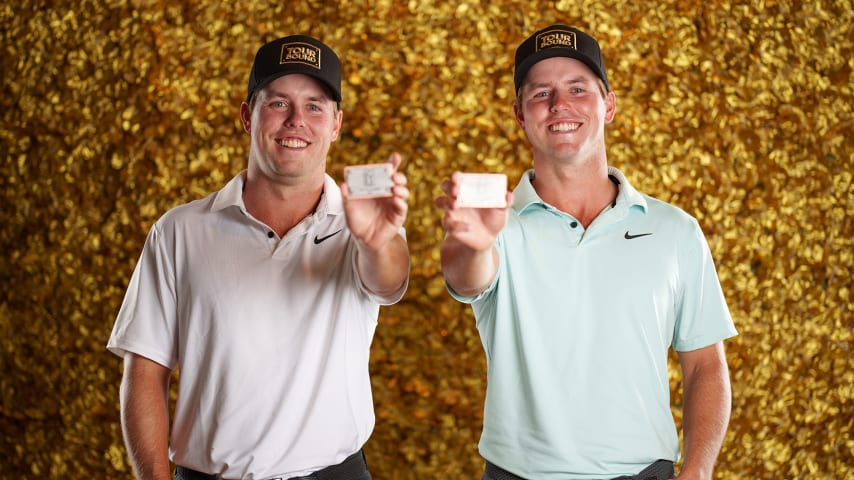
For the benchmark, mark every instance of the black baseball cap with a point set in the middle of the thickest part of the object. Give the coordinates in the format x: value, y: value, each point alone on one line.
x: 559, y: 41
x: 295, y: 54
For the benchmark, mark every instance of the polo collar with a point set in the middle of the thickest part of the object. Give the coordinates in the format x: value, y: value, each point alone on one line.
x: 331, y: 201
x: 524, y: 196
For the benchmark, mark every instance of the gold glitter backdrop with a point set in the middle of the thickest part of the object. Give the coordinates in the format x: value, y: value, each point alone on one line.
x: 740, y: 112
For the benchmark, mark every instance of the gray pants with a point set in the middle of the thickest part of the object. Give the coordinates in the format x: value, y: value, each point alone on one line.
x: 353, y: 467
x: 183, y: 475
x: 659, y: 470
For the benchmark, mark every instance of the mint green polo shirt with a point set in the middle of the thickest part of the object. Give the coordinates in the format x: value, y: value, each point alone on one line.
x: 576, y: 329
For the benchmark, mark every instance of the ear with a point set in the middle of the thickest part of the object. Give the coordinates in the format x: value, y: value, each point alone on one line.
x: 610, y: 107
x: 518, y: 114
x: 246, y: 116
x: 339, y: 118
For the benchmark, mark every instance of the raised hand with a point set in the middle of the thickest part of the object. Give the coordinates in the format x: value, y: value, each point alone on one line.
x: 469, y: 258
x: 475, y: 228
x: 375, y: 221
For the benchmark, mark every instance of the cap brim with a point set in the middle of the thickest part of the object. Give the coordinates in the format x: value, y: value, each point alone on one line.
x: 522, y: 70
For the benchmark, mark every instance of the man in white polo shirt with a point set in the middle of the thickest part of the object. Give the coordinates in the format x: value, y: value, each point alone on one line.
x: 265, y: 297
x: 579, y: 288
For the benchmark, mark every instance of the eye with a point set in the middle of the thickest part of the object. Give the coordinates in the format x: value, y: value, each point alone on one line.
x: 541, y: 94
x: 576, y: 90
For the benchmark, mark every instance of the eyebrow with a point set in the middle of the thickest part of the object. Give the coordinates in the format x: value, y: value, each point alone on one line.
x: 572, y: 81
x: 320, y: 97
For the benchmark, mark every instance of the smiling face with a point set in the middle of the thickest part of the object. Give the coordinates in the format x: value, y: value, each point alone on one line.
x: 563, y: 109
x: 292, y: 123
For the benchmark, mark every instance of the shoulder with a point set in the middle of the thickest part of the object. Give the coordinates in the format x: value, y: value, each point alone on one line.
x: 228, y: 197
x: 670, y: 214
x: 188, y: 210
x: 185, y: 215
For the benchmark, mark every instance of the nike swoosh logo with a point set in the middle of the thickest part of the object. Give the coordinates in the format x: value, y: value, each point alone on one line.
x: 318, y: 240
x: 629, y: 236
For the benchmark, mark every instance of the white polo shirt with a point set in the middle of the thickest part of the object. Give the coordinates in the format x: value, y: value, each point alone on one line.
x: 576, y: 329
x: 271, y: 336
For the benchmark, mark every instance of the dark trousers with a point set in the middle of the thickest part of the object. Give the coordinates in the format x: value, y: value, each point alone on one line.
x: 353, y: 467
x: 660, y: 470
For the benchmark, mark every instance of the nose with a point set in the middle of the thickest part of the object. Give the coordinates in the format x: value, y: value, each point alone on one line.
x: 560, y: 101
x: 295, y: 118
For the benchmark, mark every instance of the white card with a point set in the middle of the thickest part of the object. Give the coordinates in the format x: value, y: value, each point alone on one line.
x: 369, y: 181
x: 482, y: 190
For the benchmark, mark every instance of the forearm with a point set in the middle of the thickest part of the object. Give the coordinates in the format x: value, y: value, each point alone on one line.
x: 707, y: 400
x: 145, y: 418
x: 468, y: 271
x: 384, y: 270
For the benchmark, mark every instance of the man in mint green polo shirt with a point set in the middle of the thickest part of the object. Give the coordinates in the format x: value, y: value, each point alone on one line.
x: 580, y: 287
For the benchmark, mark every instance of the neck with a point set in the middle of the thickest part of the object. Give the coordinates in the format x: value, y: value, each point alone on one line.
x: 582, y: 191
x: 279, y: 206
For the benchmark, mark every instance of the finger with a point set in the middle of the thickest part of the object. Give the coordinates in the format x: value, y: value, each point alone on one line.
x: 441, y: 202
x: 399, y: 178
x: 401, y: 192
x: 450, y: 187
x: 455, y: 184
x: 400, y: 206
x: 446, y: 203
x: 454, y: 227
x: 394, y: 159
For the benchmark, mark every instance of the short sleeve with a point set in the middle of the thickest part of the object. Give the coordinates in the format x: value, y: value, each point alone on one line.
x: 147, y: 320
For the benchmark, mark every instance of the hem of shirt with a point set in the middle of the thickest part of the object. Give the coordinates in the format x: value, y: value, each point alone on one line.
x: 703, y: 343
x: 121, y: 349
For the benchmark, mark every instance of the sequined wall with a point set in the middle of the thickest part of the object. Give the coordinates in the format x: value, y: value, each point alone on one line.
x: 740, y: 112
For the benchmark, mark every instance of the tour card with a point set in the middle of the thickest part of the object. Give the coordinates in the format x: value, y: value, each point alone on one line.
x: 369, y: 181
x: 482, y: 190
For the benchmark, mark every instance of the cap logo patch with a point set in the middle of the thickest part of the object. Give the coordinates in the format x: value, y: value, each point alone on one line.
x: 299, y: 52
x: 556, y: 38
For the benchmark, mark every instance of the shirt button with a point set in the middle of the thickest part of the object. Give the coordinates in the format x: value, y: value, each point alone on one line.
x: 270, y: 234
x: 573, y: 224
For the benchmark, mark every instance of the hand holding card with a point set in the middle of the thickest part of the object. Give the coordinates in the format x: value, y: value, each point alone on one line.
x: 482, y: 190
x: 369, y: 181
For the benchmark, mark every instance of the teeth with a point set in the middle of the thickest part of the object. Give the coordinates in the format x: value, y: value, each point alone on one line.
x: 293, y: 143
x: 564, y: 127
